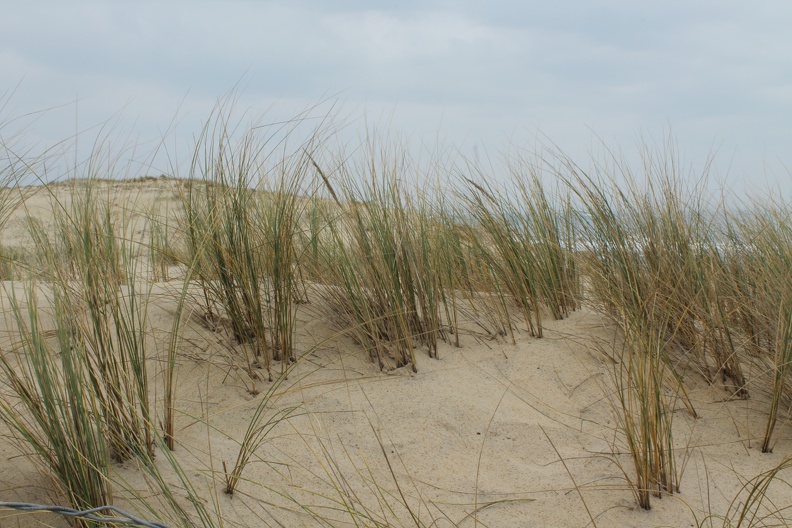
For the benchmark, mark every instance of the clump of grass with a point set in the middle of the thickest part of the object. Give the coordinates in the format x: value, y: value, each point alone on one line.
x: 382, y: 273
x: 759, y: 261
x: 645, y: 411
x: 94, y: 269
x: 242, y: 210
x: 643, y: 370
x: 524, y: 237
x: 640, y: 264
x: 59, y: 421
x: 283, y: 206
x: 506, y: 268
x: 58, y: 418
x: 220, y: 214
x: 453, y: 266
x: 548, y: 220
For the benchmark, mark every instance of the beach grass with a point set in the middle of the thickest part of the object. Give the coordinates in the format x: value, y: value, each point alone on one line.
x: 399, y: 255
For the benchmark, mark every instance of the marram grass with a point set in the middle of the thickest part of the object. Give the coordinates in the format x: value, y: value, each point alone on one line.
x: 400, y: 253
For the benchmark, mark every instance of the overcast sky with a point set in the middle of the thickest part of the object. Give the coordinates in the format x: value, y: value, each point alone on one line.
x: 478, y: 75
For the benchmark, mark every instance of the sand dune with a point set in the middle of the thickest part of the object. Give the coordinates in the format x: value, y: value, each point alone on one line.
x: 491, y: 433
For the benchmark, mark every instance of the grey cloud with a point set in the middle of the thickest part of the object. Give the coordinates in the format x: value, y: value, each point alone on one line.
x: 711, y: 69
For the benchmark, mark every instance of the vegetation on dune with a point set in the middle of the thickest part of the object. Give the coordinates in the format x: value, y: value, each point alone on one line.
x: 403, y: 255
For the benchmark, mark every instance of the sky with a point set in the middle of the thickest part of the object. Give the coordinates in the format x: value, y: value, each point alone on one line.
x: 480, y: 77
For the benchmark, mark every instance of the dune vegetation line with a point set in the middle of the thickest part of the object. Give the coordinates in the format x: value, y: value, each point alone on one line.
x: 399, y: 255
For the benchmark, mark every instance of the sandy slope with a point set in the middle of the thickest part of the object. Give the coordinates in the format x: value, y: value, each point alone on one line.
x: 483, y: 429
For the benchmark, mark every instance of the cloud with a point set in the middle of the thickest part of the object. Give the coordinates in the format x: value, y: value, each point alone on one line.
x: 713, y: 71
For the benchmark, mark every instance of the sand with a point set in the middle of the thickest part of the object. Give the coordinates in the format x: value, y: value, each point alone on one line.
x: 491, y: 434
